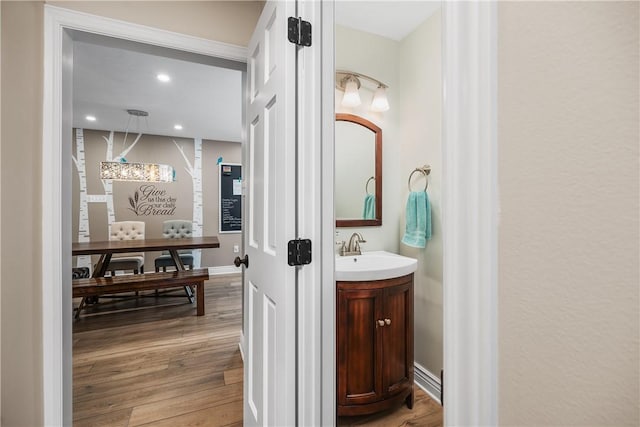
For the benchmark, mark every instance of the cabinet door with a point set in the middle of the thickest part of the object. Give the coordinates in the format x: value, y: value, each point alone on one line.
x: 398, y: 339
x: 359, y: 346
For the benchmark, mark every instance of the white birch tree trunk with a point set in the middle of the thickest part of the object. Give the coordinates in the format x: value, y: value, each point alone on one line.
x: 83, y: 219
x: 196, y: 177
x: 107, y: 184
x: 195, y: 171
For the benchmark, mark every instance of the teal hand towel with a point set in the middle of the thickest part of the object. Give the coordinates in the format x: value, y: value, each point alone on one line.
x: 418, y: 228
x: 369, y: 211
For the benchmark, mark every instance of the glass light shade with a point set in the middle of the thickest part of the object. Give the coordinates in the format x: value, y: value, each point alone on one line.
x: 351, y: 96
x: 146, y: 172
x: 380, y: 102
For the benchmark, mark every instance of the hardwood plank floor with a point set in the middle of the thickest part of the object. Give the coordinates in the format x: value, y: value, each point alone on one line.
x: 152, y: 362
x: 426, y: 412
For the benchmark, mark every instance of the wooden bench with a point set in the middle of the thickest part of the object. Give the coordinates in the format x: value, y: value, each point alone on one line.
x: 96, y: 286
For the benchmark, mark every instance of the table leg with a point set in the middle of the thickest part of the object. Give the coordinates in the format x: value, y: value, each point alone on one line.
x: 102, y: 265
x: 98, y: 271
x: 180, y: 266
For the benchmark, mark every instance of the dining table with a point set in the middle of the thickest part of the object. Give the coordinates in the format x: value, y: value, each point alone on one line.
x: 107, y: 248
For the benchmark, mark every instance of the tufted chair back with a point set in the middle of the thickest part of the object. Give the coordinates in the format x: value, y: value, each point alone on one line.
x: 176, y: 228
x: 126, y: 230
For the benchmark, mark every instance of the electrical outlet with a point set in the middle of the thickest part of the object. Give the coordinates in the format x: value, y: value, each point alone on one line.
x: 236, y: 249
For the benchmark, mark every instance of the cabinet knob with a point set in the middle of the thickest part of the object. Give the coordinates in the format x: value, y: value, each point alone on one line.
x: 380, y: 322
x: 387, y: 321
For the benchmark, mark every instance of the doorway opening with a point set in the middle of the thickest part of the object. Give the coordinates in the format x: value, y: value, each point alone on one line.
x: 136, y: 103
x: 68, y: 35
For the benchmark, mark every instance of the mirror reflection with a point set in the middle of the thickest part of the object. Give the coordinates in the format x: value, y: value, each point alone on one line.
x: 358, y: 172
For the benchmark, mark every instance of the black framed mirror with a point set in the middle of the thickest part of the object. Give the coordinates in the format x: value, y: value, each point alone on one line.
x: 358, y: 172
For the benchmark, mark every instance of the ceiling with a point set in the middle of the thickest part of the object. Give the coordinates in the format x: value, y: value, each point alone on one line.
x: 204, y: 94
x: 391, y: 19
x: 108, y: 80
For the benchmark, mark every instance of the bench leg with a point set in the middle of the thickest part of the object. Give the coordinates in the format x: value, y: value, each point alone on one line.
x: 80, y: 307
x: 200, y: 298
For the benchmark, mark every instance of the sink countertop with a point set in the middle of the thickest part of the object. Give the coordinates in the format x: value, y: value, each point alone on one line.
x: 373, y: 265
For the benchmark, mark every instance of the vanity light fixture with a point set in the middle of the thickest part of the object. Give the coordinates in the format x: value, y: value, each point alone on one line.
x: 350, y: 82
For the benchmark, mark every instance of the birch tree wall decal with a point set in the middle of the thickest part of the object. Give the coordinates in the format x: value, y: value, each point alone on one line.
x: 195, y: 171
x: 83, y: 219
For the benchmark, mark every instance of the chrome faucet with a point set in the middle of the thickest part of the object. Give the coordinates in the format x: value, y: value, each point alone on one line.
x: 353, y: 248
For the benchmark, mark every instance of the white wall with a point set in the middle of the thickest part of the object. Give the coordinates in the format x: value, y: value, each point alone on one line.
x: 420, y: 112
x: 568, y: 135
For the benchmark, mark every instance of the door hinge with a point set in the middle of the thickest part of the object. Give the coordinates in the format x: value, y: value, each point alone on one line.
x: 299, y: 252
x: 299, y: 31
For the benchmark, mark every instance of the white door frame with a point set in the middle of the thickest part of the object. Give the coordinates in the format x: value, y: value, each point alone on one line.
x: 470, y: 212
x: 56, y: 195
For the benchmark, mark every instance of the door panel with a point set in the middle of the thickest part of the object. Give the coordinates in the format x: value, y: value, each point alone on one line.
x: 398, y: 336
x: 359, y: 341
x: 270, y: 371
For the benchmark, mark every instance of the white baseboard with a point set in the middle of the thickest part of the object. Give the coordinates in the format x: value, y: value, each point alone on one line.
x: 427, y: 381
x: 224, y: 269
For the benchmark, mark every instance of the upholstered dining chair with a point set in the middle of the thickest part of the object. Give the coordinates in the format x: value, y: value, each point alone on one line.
x: 127, y: 230
x: 175, y: 229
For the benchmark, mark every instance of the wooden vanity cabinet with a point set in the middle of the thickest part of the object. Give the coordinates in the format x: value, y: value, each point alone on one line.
x: 374, y: 345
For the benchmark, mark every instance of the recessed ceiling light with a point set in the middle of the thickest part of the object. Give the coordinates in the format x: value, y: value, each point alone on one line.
x: 163, y: 77
x: 177, y: 127
x: 91, y: 118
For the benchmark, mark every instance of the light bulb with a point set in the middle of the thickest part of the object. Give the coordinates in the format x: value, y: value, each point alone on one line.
x: 380, y: 102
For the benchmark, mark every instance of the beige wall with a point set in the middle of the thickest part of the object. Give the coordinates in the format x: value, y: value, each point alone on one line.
x: 21, y: 87
x: 226, y: 21
x: 21, y: 213
x: 0, y: 223
x: 569, y: 187
x: 420, y: 111
x: 159, y: 149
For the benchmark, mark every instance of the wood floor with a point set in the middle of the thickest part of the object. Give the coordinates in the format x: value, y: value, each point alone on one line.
x: 151, y: 361
x: 426, y: 412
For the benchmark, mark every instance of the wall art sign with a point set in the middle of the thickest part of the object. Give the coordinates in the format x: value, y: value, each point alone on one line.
x: 149, y: 200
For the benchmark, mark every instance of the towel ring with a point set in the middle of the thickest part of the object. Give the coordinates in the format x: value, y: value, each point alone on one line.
x: 425, y: 170
x: 366, y: 186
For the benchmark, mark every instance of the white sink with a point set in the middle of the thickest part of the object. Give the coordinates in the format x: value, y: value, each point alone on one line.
x: 375, y: 265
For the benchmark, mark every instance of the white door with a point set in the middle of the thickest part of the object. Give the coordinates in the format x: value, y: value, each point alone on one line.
x: 269, y: 158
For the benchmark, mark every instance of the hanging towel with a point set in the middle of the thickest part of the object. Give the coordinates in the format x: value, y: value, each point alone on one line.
x: 369, y: 211
x: 418, y: 228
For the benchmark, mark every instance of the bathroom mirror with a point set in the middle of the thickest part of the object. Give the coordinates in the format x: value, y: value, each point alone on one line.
x: 358, y: 172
